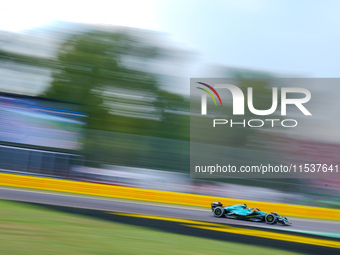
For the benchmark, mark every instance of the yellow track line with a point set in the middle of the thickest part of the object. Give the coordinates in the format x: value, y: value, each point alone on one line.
x: 158, y: 196
x: 167, y: 219
x: 241, y: 231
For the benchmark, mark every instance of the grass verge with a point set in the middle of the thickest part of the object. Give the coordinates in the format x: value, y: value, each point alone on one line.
x: 30, y: 230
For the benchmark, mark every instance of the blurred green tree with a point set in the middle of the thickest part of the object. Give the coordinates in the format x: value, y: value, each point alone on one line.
x: 101, y: 71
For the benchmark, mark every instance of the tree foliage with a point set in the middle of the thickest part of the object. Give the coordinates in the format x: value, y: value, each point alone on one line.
x: 98, y: 70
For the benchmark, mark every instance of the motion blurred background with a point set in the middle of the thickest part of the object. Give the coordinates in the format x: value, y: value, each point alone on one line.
x: 99, y: 90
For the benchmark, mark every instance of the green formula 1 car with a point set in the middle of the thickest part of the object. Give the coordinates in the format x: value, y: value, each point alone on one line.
x: 241, y: 212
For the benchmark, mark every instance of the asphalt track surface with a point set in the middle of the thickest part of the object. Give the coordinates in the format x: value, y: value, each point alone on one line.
x: 168, y: 219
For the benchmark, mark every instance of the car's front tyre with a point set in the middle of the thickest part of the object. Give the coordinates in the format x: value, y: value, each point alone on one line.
x: 218, y: 211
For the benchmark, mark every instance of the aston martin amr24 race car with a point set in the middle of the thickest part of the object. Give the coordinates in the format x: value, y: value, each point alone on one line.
x: 241, y: 212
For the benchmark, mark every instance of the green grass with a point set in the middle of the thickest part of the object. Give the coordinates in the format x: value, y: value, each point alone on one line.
x: 30, y: 230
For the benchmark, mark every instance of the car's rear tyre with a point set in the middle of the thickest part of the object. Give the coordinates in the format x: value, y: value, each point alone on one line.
x: 270, y: 218
x: 218, y: 212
